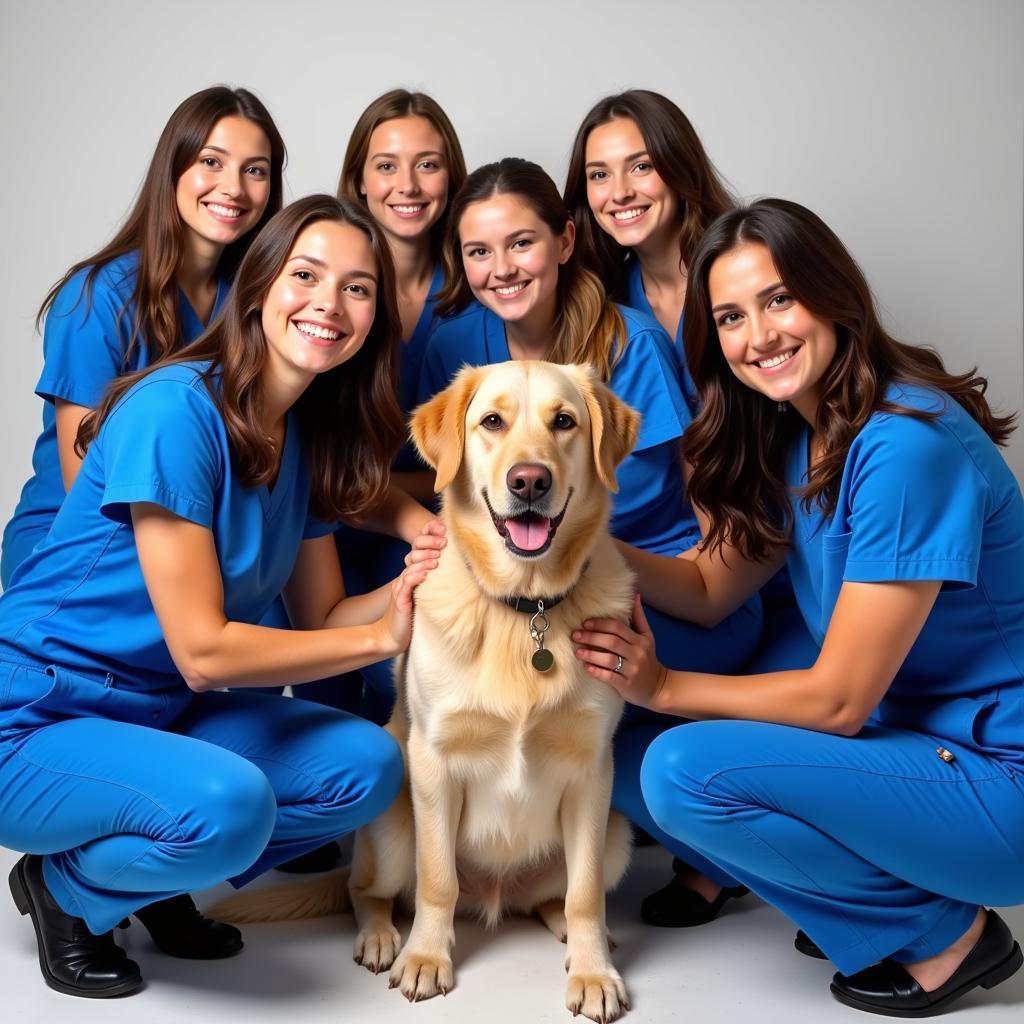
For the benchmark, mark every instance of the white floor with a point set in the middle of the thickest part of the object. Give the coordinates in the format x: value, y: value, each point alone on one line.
x: 741, y: 969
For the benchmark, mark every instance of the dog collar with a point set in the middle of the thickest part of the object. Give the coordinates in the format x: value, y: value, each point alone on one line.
x: 532, y: 605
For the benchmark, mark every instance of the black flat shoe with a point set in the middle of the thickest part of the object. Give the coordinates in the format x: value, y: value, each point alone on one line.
x: 806, y: 945
x: 887, y: 988
x: 72, y: 959
x: 178, y: 929
x: 323, y: 858
x: 678, y: 906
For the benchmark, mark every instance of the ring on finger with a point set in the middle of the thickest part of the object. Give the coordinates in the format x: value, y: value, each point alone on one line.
x: 618, y: 664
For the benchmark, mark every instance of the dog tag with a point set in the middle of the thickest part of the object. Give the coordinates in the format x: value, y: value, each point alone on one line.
x: 542, y: 659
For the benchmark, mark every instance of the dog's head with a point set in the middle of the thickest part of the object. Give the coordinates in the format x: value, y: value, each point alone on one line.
x: 525, y: 453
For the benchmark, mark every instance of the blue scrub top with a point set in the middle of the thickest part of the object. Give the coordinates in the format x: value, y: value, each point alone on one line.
x: 84, y: 342
x: 649, y: 510
x: 80, y: 600
x: 636, y: 298
x: 928, y: 500
x: 410, y: 363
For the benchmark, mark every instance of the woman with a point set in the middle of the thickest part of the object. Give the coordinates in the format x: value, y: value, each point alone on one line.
x: 875, y: 474
x: 403, y: 163
x: 511, y: 248
x: 211, y: 484
x: 213, y: 182
x: 642, y: 190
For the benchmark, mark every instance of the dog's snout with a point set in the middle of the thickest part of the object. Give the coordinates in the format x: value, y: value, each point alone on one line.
x: 529, y: 480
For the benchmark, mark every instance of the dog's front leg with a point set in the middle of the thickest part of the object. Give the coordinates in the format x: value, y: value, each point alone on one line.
x: 595, y: 988
x: 424, y: 967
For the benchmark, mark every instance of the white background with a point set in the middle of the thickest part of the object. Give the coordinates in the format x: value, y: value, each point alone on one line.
x: 899, y: 121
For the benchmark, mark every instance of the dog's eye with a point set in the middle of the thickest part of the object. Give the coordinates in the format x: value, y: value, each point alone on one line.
x: 492, y: 421
x: 563, y: 421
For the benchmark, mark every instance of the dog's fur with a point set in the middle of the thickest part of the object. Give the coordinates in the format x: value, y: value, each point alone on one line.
x: 506, y: 804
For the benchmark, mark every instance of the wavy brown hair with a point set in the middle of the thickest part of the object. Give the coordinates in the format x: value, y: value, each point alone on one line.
x: 679, y: 158
x: 154, y: 226
x: 392, y: 105
x: 348, y: 417
x: 738, y: 443
x: 588, y: 327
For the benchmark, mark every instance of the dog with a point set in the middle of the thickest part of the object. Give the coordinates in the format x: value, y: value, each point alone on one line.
x: 506, y: 738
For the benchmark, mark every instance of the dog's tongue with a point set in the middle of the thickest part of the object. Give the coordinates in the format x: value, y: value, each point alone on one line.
x: 528, y: 532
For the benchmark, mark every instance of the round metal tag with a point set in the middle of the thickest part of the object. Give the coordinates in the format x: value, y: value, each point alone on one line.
x: 542, y: 659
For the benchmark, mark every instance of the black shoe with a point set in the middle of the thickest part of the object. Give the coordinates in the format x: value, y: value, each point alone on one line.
x: 178, y: 929
x: 887, y: 987
x: 806, y: 945
x: 678, y: 906
x: 72, y: 959
x: 323, y: 858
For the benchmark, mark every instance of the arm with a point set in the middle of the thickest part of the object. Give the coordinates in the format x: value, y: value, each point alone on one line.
x: 399, y: 514
x: 873, y: 627
x: 417, y: 484
x: 68, y: 418
x: 182, y: 574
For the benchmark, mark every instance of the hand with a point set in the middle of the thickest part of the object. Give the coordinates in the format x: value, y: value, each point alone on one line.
x: 419, y: 562
x: 623, y: 657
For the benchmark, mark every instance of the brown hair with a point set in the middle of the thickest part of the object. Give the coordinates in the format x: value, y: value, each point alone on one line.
x: 587, y: 325
x: 738, y: 443
x: 349, y: 419
x: 154, y: 227
x: 395, y: 104
x: 677, y: 154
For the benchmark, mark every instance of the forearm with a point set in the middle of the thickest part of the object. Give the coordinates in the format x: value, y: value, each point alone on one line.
x: 672, y: 585
x: 398, y: 515
x: 238, y: 654
x: 359, y: 609
x: 418, y: 484
x: 797, y: 697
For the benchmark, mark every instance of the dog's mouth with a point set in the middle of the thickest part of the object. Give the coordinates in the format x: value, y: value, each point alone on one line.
x: 527, y: 534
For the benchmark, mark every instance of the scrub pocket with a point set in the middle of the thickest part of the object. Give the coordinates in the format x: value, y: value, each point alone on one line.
x: 834, y: 551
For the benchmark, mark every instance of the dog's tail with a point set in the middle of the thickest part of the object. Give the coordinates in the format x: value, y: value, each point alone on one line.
x: 318, y: 897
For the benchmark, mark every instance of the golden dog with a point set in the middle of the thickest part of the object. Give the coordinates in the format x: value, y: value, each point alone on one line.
x: 507, y: 739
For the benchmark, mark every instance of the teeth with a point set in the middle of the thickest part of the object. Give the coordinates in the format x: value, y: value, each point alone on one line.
x: 224, y: 211
x: 512, y: 289
x: 767, y: 364
x: 624, y: 215
x: 409, y: 209
x: 315, y: 331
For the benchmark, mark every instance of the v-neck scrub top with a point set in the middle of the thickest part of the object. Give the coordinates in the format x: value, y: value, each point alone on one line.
x: 85, y: 343
x: 80, y: 599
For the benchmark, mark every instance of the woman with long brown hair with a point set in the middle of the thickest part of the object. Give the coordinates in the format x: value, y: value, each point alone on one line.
x: 211, y: 483
x: 214, y: 180
x: 876, y: 796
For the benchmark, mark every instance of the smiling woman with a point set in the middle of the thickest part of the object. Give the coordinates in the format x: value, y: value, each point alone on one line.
x: 213, y: 181
x: 211, y: 482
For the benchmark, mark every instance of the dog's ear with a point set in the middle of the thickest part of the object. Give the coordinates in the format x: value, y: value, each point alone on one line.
x: 438, y: 427
x: 614, y: 426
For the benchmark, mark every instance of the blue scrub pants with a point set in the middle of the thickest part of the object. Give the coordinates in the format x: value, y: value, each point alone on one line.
x: 874, y: 845
x: 126, y: 814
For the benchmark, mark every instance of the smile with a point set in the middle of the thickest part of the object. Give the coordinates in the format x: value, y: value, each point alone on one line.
x: 409, y: 209
x: 773, y: 361
x: 625, y: 216
x: 315, y: 331
x: 528, y: 534
x: 225, y: 212
x: 507, y: 291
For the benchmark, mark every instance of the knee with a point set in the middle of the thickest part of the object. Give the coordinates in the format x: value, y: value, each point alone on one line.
x: 234, y: 817
x: 368, y: 779
x: 678, y: 778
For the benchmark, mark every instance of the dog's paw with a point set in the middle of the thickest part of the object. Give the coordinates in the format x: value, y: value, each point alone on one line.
x: 421, y: 975
x: 600, y: 995
x: 376, y: 948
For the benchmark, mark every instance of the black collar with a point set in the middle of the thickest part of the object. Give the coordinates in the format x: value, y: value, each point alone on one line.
x: 532, y: 605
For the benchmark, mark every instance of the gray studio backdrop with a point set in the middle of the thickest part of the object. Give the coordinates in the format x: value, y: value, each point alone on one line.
x: 899, y: 121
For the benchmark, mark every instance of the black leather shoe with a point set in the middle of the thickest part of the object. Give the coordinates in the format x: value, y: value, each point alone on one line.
x: 178, y: 929
x: 72, y: 959
x: 678, y: 906
x: 887, y: 988
x: 806, y: 945
x: 323, y: 858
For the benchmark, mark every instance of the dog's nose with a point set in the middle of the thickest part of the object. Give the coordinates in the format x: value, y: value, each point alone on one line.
x: 529, y: 480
